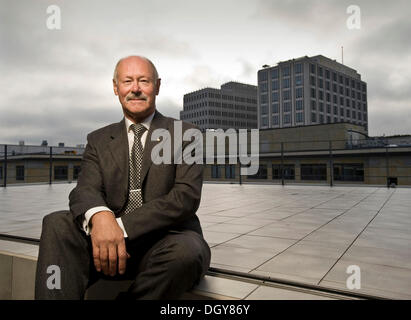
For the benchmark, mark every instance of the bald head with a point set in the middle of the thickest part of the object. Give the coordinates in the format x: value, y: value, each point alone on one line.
x: 155, y: 73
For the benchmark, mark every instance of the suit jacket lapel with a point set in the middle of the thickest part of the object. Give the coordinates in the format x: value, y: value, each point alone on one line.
x: 119, y: 149
x: 159, y: 121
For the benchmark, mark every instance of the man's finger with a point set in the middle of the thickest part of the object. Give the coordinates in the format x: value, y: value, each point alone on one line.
x: 112, y: 260
x: 122, y: 258
x: 104, y: 259
x: 96, y: 258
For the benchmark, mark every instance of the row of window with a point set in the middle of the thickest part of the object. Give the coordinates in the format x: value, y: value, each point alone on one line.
x: 321, y: 95
x: 193, y: 115
x: 60, y: 172
x: 299, y: 118
x: 314, y: 70
x: 341, y: 172
x: 204, y: 95
x: 219, y: 105
x: 237, y: 124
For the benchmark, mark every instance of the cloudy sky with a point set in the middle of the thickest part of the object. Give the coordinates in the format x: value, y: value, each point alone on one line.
x: 56, y: 84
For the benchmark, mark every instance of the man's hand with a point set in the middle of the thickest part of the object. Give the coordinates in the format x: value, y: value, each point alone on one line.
x: 108, y: 243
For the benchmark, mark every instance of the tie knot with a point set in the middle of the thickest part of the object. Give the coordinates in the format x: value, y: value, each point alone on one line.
x: 138, y: 129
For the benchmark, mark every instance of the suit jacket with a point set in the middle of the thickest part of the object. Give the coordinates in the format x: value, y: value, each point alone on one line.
x: 171, y: 192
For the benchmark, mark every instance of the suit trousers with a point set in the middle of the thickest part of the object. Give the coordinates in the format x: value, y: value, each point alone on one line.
x: 163, y: 266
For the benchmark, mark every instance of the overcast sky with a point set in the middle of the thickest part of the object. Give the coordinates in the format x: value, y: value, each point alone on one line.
x: 56, y: 84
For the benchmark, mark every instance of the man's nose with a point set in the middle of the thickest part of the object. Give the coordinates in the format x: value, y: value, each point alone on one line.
x: 135, y: 87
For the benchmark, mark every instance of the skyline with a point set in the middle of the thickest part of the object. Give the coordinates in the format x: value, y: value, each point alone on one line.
x: 57, y: 83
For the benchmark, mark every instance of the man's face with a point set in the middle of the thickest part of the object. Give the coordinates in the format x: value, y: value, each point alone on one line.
x: 136, y: 88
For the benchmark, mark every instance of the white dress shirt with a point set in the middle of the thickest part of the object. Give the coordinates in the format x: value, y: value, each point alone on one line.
x: 130, y: 134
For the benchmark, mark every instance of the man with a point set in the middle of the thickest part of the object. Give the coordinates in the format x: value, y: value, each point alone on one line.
x: 128, y: 218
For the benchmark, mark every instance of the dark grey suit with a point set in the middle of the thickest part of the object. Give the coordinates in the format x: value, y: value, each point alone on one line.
x: 168, y: 252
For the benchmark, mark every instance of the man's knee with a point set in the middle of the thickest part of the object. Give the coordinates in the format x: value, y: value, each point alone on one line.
x: 187, y: 253
x: 58, y: 222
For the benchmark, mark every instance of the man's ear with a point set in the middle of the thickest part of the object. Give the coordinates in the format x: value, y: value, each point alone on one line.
x: 115, y: 87
x: 158, y: 86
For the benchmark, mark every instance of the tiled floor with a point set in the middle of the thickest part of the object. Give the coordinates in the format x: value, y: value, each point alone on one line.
x: 308, y: 234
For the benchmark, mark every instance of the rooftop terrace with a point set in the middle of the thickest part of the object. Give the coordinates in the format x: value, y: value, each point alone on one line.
x: 306, y: 234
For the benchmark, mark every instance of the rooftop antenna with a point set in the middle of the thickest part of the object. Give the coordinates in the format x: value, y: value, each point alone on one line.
x: 342, y: 55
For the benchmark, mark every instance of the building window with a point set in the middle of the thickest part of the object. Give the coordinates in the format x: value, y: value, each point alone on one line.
x: 60, y: 173
x: 321, y: 106
x: 1, y: 172
x: 276, y: 121
x: 286, y: 95
x: 320, y: 71
x: 264, y: 121
x: 287, y: 118
x: 263, y: 109
x: 274, y: 85
x: 230, y: 171
x: 314, y: 172
x: 215, y: 171
x: 263, y: 87
x: 312, y: 81
x: 286, y: 83
x: 288, y: 171
x: 275, y: 108
x: 299, y: 92
x: 299, y: 117
x: 262, y: 76
x: 299, y: 105
x: 349, y: 172
x: 286, y: 71
x: 312, y: 93
x: 298, y: 68
x: 261, y: 174
x: 313, y: 117
x: 76, y: 172
x: 287, y: 106
x: 274, y: 96
x: 20, y: 173
x: 320, y: 83
x: 298, y: 80
x: 313, y: 105
x: 274, y: 73
x: 321, y: 118
x: 312, y: 68
x: 263, y: 98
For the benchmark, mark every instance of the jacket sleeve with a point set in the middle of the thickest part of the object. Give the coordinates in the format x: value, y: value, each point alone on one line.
x: 171, y: 210
x: 89, y: 191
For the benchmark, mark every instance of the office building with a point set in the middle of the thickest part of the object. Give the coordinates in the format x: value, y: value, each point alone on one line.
x: 234, y: 105
x: 310, y: 90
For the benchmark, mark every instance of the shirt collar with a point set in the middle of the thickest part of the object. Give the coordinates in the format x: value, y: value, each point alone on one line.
x: 146, y: 122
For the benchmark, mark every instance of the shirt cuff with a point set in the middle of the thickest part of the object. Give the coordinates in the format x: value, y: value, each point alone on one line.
x: 92, y: 212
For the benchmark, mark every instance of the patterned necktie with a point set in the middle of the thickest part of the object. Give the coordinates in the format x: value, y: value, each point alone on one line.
x: 135, y: 198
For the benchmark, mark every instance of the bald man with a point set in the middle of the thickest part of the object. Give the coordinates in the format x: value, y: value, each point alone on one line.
x: 129, y: 218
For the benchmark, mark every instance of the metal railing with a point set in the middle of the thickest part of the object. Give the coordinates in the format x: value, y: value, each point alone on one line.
x: 366, y: 161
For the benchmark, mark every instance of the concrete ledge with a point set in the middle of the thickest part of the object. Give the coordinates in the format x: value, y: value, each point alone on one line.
x: 17, y: 275
x: 18, y: 272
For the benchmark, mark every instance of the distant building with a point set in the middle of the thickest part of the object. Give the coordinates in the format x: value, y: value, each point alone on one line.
x: 310, y: 90
x: 232, y: 106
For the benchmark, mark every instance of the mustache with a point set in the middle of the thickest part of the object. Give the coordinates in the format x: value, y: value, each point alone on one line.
x: 134, y: 96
